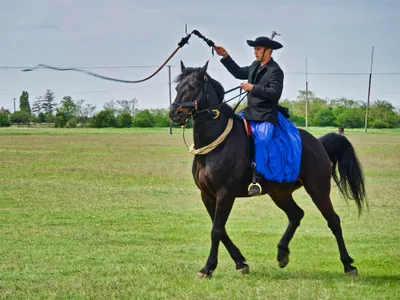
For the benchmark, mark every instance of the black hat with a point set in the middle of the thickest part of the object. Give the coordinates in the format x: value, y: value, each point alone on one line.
x: 263, y: 41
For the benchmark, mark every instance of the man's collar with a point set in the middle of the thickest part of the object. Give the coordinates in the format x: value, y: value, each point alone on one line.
x: 268, y: 62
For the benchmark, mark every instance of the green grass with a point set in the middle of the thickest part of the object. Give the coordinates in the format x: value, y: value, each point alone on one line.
x: 111, y: 213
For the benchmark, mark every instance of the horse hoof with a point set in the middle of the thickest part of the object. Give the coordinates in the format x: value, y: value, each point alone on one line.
x: 244, y: 270
x: 284, y: 261
x: 201, y: 275
x: 352, y: 272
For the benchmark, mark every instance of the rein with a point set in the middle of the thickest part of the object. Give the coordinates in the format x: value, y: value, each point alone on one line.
x: 193, y: 104
x: 210, y: 147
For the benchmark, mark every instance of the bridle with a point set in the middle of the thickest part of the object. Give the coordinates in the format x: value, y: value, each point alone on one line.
x: 192, y: 107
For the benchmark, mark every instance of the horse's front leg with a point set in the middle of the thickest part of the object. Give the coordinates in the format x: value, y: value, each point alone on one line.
x: 219, y: 209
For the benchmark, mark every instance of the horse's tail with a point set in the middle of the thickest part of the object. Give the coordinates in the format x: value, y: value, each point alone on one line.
x: 341, y: 153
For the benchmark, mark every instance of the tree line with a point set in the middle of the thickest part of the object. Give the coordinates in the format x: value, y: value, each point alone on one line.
x: 77, y: 113
x: 341, y: 112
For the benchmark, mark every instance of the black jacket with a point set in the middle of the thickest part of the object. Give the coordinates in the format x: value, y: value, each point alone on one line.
x: 268, y: 85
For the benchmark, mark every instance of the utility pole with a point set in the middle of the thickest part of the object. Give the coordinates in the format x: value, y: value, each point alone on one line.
x: 14, y: 103
x: 369, y: 90
x: 170, y: 97
x: 306, y: 97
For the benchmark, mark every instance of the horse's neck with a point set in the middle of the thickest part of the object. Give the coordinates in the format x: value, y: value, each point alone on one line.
x: 206, y: 132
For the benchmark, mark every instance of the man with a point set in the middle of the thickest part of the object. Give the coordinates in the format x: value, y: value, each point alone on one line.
x: 264, y: 80
x: 264, y: 86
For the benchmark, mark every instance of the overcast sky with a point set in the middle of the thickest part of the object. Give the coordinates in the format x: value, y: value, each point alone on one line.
x: 335, y: 36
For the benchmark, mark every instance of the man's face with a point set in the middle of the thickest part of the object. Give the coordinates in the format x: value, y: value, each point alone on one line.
x: 259, y: 51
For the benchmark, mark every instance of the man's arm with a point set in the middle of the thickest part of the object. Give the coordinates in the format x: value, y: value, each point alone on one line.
x: 231, y: 65
x: 234, y: 69
x: 274, y: 91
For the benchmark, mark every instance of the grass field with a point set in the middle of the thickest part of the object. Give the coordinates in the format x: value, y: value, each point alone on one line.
x: 114, y: 213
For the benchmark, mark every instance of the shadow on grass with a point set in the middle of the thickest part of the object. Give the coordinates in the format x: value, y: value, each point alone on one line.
x: 277, y: 274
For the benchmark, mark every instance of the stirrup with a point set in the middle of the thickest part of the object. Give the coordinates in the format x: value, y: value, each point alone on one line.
x: 254, y: 189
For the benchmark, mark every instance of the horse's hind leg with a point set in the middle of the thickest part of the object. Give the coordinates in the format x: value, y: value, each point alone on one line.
x: 294, y: 214
x: 219, y: 231
x: 319, y: 191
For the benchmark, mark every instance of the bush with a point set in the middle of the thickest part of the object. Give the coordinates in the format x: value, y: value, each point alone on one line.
x: 350, y: 118
x: 161, y: 120
x: 61, y: 119
x: 124, y: 120
x: 103, y: 119
x: 143, y: 119
x: 49, y: 118
x: 20, y: 117
x: 4, y: 120
x: 72, y: 123
x: 324, y: 117
x: 298, y: 120
x: 42, y: 117
x: 380, y: 124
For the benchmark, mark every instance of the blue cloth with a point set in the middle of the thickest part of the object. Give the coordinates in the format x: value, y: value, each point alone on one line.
x: 278, y: 149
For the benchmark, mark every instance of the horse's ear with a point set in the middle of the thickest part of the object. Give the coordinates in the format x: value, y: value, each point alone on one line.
x: 203, y: 70
x: 182, y: 66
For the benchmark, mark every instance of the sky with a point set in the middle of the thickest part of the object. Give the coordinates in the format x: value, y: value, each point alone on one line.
x: 336, y: 38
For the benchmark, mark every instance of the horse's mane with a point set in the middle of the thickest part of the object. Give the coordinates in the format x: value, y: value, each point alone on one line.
x: 219, y: 89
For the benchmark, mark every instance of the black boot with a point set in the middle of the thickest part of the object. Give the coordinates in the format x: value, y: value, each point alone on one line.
x: 255, y: 188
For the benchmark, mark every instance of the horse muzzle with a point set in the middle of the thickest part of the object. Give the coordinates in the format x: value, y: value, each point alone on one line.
x: 180, y: 115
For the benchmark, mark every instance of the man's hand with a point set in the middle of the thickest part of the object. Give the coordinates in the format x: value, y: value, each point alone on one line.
x: 246, y: 86
x: 221, y: 51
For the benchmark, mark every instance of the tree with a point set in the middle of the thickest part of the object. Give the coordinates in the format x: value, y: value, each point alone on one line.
x: 317, y: 104
x: 42, y: 117
x: 24, y: 102
x: 61, y: 118
x: 47, y: 103
x: 124, y: 120
x: 4, y: 118
x: 84, y: 112
x: 286, y: 103
x: 68, y: 107
x: 382, y: 114
x: 298, y: 120
x: 127, y: 106
x: 37, y: 105
x: 20, y: 117
x: 344, y: 103
x: 350, y: 118
x: 105, y: 118
x: 299, y: 107
x: 296, y: 108
x: 324, y: 117
x: 161, y: 118
x: 143, y: 118
x: 111, y: 106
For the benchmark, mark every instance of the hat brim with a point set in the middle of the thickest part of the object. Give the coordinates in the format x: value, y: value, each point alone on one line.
x: 268, y: 44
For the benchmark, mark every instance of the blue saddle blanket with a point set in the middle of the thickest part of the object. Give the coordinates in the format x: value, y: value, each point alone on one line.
x: 277, y: 149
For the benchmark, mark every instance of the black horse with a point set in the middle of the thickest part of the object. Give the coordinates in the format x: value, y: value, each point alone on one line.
x: 221, y: 168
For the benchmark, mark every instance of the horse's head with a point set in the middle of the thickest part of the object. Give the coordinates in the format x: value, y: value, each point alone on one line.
x: 196, y: 91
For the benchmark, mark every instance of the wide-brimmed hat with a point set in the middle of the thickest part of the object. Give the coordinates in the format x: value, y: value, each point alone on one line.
x: 263, y: 41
